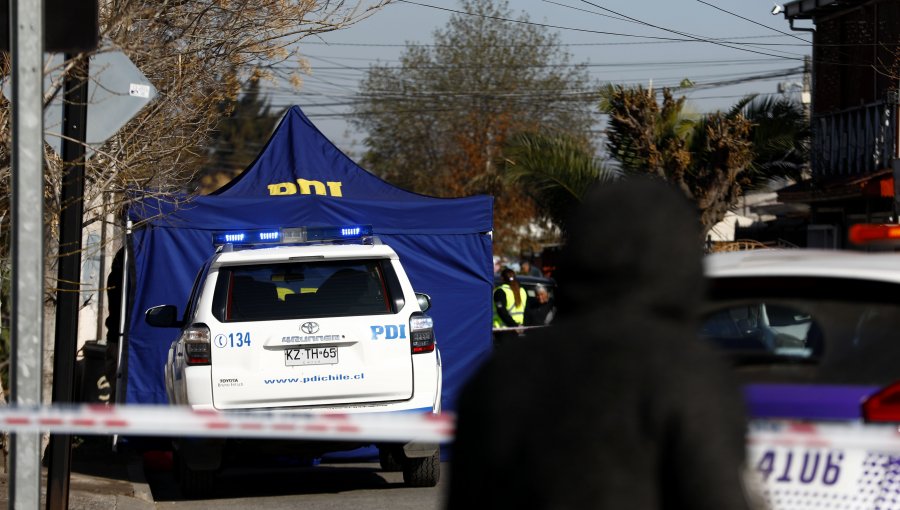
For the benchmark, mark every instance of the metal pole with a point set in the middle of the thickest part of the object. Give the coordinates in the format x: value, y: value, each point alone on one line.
x: 69, y: 286
x: 26, y: 45
x: 123, y: 315
x: 101, y: 273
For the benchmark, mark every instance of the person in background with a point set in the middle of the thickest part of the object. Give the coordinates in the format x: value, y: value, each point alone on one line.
x: 527, y: 269
x: 541, y: 312
x: 509, y: 301
x: 618, y: 404
x: 497, y: 265
x: 113, y: 321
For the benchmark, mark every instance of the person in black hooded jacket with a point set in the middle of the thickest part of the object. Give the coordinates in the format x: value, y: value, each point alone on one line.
x: 618, y: 405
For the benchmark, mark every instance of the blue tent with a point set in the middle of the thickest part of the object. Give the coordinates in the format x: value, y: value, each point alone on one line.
x: 301, y: 178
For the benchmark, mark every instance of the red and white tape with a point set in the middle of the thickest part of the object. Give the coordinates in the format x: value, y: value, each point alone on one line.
x: 882, y: 438
x: 136, y: 420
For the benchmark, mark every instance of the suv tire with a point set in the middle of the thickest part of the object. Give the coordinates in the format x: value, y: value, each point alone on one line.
x: 194, y: 483
x: 422, y: 472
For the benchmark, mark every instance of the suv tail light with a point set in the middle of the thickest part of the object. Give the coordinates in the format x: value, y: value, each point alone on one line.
x: 883, y: 406
x: 868, y: 233
x: 421, y: 333
x: 196, y: 344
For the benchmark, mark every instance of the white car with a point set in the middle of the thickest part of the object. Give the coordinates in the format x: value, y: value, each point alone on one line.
x: 814, y: 337
x: 307, y: 319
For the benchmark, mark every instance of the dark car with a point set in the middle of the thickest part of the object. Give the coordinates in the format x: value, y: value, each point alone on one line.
x: 536, y: 313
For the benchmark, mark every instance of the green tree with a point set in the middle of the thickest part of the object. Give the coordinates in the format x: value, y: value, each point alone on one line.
x: 555, y: 171
x: 244, y: 127
x: 438, y: 121
x: 781, y: 137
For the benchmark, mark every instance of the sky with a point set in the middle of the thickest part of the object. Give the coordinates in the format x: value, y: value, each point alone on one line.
x: 710, y: 42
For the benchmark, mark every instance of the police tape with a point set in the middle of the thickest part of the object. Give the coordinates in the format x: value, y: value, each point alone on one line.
x: 143, y: 420
x: 880, y: 438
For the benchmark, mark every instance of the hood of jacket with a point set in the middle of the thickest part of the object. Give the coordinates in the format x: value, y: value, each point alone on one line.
x: 633, y: 246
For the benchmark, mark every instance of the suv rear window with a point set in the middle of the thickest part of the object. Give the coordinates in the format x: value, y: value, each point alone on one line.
x: 303, y: 289
x: 812, y: 330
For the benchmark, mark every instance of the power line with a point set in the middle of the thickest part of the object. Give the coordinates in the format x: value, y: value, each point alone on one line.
x: 548, y: 66
x: 639, y: 22
x: 752, y: 21
x: 586, y: 96
x: 333, y: 59
x: 587, y: 11
x: 544, y: 25
x: 711, y: 41
x: 313, y: 83
x: 350, y: 96
x: 730, y: 40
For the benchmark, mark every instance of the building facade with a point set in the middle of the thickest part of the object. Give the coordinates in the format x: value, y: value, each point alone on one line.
x: 853, y: 115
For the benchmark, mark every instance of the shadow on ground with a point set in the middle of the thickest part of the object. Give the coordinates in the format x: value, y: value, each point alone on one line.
x: 261, y: 481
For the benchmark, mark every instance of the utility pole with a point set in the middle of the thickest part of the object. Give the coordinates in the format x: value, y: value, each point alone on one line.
x: 68, y: 295
x: 806, y: 91
x: 893, y: 125
x: 26, y: 49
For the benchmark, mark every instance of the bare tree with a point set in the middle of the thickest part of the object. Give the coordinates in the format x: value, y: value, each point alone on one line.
x: 197, y: 53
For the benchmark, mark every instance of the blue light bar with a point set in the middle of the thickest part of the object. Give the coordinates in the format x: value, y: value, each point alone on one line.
x: 343, y: 232
x: 292, y: 235
x: 268, y: 236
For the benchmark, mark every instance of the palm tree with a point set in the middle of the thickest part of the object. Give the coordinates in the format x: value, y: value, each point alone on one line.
x: 781, y: 136
x: 713, y: 158
x: 554, y: 170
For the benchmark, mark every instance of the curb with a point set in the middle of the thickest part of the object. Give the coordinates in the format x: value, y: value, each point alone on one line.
x: 135, y: 467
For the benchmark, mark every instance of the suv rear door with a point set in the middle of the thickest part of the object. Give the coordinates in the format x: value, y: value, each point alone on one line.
x: 309, y: 333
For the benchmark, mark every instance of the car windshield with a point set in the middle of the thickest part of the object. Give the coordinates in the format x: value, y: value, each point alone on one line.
x: 300, y: 290
x: 814, y: 330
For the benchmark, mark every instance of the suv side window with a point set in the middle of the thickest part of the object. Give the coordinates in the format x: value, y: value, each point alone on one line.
x: 303, y: 289
x: 191, y: 307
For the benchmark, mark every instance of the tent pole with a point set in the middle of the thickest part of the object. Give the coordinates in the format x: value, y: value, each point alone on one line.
x: 123, y: 308
x: 101, y: 274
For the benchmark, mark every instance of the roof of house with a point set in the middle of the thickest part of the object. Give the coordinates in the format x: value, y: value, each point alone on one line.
x: 830, y: 188
x: 808, y: 9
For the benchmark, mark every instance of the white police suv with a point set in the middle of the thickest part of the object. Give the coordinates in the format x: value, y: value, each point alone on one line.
x: 303, y: 319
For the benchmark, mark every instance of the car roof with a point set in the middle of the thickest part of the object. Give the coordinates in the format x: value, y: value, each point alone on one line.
x: 530, y: 280
x: 283, y: 253
x: 806, y: 263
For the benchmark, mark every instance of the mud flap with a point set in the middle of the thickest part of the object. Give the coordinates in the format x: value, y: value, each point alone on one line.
x: 419, y: 450
x: 201, y: 454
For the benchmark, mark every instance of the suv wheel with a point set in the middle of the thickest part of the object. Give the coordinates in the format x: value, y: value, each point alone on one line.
x: 389, y: 459
x: 194, y: 483
x: 422, y: 472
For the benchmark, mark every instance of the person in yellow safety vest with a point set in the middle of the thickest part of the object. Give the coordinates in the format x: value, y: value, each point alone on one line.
x: 509, y: 301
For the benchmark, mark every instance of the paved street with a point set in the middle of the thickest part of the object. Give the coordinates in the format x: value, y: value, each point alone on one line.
x: 360, y: 486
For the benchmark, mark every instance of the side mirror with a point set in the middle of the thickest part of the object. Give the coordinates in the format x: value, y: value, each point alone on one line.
x: 163, y: 316
x: 424, y: 301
